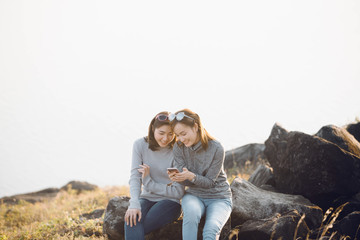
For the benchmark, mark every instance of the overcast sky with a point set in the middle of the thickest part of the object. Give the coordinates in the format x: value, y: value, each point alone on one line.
x: 80, y: 80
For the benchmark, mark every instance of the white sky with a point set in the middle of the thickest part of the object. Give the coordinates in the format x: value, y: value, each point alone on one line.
x: 80, y: 80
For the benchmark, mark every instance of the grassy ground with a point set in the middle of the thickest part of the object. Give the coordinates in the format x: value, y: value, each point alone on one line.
x: 58, y: 218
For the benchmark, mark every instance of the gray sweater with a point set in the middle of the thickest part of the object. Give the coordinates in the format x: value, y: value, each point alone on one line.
x: 208, y: 165
x: 155, y: 184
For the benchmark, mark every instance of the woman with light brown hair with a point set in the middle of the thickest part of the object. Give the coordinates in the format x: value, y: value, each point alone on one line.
x: 201, y: 159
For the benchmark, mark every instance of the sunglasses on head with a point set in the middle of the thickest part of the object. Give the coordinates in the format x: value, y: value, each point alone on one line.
x: 162, y: 117
x: 179, y: 116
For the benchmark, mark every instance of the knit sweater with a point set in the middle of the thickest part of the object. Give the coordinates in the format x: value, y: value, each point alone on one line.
x: 154, y: 186
x: 208, y: 165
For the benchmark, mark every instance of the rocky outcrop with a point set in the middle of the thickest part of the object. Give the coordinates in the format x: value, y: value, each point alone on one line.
x: 340, y: 137
x: 48, y: 193
x: 349, y: 225
x: 247, y: 156
x: 113, y: 226
x: 289, y: 225
x: 79, y: 186
x: 253, y: 203
x: 114, y: 217
x: 312, y: 166
x: 32, y: 197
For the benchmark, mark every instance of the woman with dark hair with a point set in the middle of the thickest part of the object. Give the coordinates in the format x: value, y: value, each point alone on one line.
x: 201, y: 159
x: 154, y: 199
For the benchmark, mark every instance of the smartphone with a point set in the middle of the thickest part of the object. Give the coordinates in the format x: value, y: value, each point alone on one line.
x: 173, y: 170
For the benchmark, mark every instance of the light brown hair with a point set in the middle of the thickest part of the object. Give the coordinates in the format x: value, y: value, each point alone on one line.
x: 205, y: 137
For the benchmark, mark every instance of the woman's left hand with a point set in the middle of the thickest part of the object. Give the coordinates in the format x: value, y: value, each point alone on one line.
x: 184, y: 175
x: 144, y: 169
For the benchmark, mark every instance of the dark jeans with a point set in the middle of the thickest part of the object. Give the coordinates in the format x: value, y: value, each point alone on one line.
x: 154, y: 215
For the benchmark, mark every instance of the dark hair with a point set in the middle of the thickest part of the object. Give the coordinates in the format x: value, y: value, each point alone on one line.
x: 205, y: 137
x: 155, y: 123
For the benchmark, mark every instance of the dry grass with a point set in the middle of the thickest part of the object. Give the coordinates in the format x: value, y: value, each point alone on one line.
x: 57, y: 218
x: 60, y: 218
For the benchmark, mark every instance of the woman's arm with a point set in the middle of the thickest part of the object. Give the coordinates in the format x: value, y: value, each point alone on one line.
x: 174, y: 190
x: 135, y: 177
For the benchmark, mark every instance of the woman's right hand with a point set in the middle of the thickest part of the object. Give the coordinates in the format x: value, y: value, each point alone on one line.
x: 131, y: 215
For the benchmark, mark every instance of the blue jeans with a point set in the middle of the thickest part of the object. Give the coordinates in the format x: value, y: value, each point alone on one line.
x: 216, y: 211
x: 154, y: 215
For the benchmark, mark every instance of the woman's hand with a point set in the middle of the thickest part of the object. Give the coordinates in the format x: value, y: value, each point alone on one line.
x: 131, y: 215
x: 180, y: 177
x: 144, y: 169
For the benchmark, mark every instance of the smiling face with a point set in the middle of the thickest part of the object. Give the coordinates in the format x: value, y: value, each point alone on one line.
x: 163, y: 135
x: 186, y: 134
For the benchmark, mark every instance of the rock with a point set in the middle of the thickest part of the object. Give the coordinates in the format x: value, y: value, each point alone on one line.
x: 244, y: 157
x: 113, y: 225
x: 281, y: 226
x: 347, y: 205
x: 79, y: 186
x: 340, y: 137
x: 349, y: 225
x: 173, y: 231
x: 33, y: 197
x: 262, y: 176
x: 354, y: 129
x: 253, y: 203
x: 311, y: 166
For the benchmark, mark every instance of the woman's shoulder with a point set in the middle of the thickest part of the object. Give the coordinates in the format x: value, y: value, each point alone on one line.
x: 141, y: 143
x: 215, y: 144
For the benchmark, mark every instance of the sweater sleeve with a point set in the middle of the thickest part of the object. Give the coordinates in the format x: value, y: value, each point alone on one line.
x: 180, y: 162
x: 208, y: 181
x: 174, y: 190
x: 135, y: 177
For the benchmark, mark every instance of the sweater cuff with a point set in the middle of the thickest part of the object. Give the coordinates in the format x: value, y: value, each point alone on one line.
x: 134, y: 204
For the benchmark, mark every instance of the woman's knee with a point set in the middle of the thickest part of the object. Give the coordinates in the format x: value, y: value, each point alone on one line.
x: 193, y: 208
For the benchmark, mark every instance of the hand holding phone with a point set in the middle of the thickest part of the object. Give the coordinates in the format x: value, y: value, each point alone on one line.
x: 171, y: 172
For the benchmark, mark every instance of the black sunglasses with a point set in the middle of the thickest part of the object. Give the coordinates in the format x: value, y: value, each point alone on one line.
x: 162, y: 117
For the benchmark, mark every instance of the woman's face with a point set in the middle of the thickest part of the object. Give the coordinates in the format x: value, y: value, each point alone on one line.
x: 187, y: 135
x: 163, y: 135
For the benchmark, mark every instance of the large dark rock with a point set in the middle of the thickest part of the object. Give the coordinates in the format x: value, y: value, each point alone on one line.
x: 253, y: 203
x: 289, y: 225
x: 349, y: 225
x: 244, y: 157
x: 114, y: 221
x: 354, y: 129
x: 340, y: 137
x: 311, y: 166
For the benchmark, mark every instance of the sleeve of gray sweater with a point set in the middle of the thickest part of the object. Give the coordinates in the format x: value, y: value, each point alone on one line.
x: 174, y: 190
x: 135, y: 177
